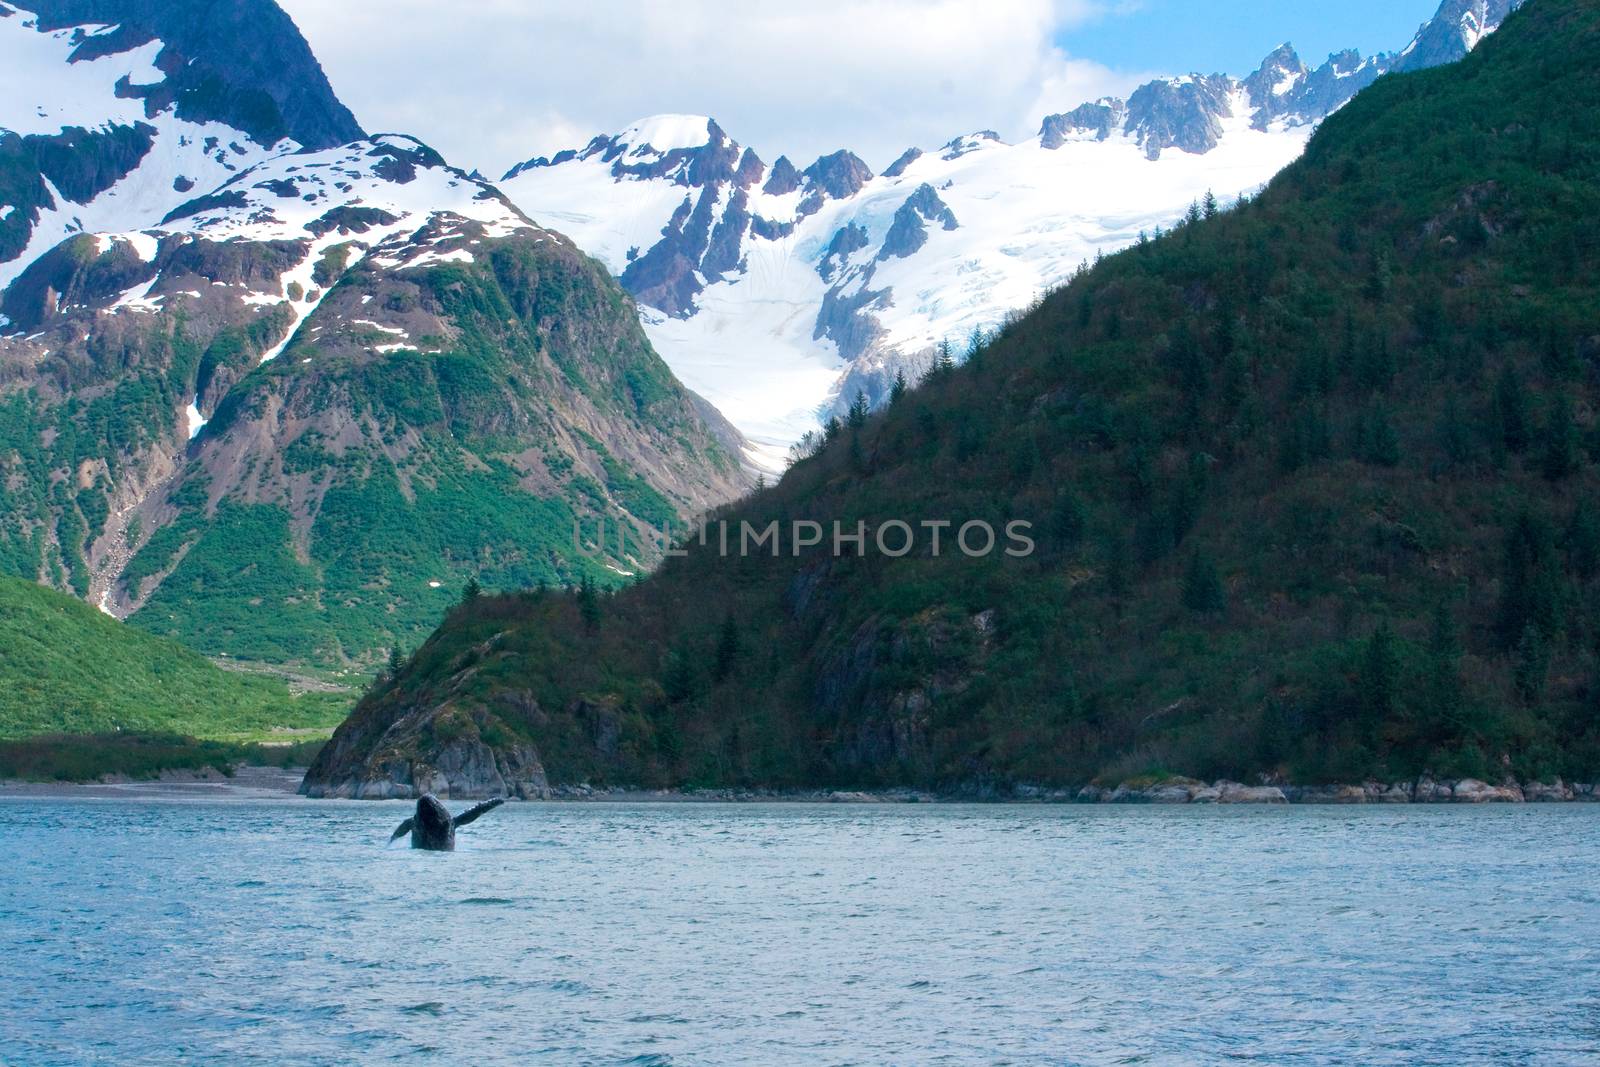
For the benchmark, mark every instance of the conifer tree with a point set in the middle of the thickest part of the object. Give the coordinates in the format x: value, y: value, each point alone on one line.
x: 1532, y: 667
x: 898, y: 390
x: 727, y: 648
x: 1530, y: 583
x: 1203, y: 592
x: 589, y: 603
x: 859, y: 409
x: 1511, y: 409
x: 1582, y: 540
x: 471, y: 591
x: 1380, y: 675
x: 1561, y: 447
x: 1444, y: 671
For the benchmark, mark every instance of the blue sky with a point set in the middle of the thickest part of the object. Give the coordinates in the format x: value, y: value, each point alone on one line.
x: 1231, y: 36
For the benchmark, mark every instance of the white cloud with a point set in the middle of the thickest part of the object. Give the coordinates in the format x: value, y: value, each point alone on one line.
x: 498, y: 81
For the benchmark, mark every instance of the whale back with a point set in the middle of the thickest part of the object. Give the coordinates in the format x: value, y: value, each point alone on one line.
x: 433, y: 828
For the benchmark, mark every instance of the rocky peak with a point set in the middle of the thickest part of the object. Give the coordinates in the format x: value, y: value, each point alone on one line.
x: 1277, y: 77
x: 238, y: 62
x: 1184, y: 113
x: 839, y: 175
x: 784, y: 179
x: 1454, y: 31
x: 909, y: 232
x: 898, y: 167
x: 972, y: 142
x: 750, y: 169
x: 850, y: 239
x: 1096, y: 121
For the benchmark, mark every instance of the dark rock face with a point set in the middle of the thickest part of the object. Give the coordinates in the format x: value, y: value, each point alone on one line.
x: 845, y: 319
x: 239, y: 62
x: 898, y: 167
x: 723, y: 250
x: 750, y: 169
x: 1185, y: 114
x: 908, y: 233
x: 664, y: 277
x: 849, y: 240
x: 1335, y: 84
x: 419, y: 752
x: 80, y: 163
x: 72, y: 274
x: 1102, y: 119
x: 1271, y: 88
x: 962, y: 146
x: 839, y: 175
x: 783, y: 180
x: 1445, y: 38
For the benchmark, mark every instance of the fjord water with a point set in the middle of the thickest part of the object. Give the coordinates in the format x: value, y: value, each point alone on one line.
x: 284, y: 932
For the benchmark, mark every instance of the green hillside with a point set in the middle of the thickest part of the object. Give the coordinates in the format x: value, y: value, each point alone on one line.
x: 65, y: 668
x: 1313, y: 480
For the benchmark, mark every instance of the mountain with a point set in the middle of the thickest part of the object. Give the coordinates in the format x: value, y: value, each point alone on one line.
x: 117, y: 109
x: 778, y: 292
x: 1312, y: 489
x: 68, y: 669
x: 280, y: 394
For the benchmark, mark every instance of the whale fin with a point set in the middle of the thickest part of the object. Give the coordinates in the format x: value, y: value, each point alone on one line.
x: 401, y: 830
x: 472, y: 813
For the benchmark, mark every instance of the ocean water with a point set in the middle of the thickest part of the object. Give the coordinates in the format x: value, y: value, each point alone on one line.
x: 285, y: 932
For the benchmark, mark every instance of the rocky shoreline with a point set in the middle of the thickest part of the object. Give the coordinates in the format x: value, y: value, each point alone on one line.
x: 1426, y: 790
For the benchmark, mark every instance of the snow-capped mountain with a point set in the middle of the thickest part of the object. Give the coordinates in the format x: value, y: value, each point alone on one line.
x: 116, y: 111
x: 278, y: 388
x: 778, y: 292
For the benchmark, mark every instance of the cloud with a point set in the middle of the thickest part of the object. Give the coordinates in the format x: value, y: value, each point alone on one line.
x: 498, y: 81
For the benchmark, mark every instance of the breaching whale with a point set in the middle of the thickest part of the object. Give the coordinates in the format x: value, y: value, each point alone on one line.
x: 433, y: 828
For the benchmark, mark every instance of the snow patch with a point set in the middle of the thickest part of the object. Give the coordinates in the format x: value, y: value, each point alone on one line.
x: 196, y: 421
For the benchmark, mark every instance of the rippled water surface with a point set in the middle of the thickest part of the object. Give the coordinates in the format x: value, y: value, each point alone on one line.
x: 285, y: 932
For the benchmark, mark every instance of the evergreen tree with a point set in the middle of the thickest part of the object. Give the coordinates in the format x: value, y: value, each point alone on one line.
x: 1530, y: 583
x: 1511, y: 409
x: 727, y: 648
x: 397, y: 662
x: 589, y: 603
x: 1118, y: 578
x: 1444, y: 673
x: 897, y: 391
x: 1582, y: 541
x: 1203, y: 592
x: 471, y: 591
x: 1561, y: 447
x: 1380, y: 675
x: 1208, y: 206
x: 1067, y: 520
x: 859, y: 409
x: 975, y: 344
x: 1376, y: 440
x: 945, y: 361
x: 1532, y: 667
x: 1455, y: 438
x: 678, y: 680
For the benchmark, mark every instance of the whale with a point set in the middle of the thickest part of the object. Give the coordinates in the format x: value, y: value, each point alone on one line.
x: 433, y: 827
